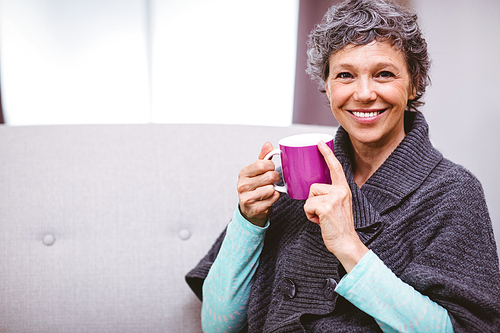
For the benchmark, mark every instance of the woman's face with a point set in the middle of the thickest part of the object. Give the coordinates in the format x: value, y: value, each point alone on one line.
x: 368, y: 88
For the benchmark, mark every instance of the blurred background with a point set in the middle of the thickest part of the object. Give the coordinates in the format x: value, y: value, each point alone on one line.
x: 233, y: 62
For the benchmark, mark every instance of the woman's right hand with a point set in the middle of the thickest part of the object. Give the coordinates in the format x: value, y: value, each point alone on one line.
x: 256, y: 188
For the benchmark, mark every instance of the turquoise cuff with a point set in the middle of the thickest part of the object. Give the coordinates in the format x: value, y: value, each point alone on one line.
x: 395, y: 305
x: 247, y: 225
x: 349, y: 280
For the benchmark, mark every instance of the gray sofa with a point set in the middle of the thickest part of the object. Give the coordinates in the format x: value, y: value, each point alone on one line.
x: 100, y: 223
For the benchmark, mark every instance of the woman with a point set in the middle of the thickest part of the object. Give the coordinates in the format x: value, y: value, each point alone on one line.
x: 400, y: 241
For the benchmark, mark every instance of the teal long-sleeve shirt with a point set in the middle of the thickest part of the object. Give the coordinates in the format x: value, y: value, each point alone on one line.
x: 371, y: 286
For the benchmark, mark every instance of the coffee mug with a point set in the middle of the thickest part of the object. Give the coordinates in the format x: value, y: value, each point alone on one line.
x: 302, y: 163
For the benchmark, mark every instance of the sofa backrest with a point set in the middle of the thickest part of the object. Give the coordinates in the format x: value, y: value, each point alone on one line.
x: 100, y: 223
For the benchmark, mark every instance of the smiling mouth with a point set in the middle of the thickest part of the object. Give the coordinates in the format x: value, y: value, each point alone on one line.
x: 367, y: 114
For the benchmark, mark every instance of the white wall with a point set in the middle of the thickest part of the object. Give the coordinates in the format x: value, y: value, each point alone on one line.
x: 462, y: 105
x: 228, y: 61
x: 72, y: 61
x: 224, y: 61
x: 104, y: 61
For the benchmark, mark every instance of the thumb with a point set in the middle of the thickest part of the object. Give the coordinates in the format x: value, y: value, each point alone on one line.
x: 336, y: 170
x: 266, y: 149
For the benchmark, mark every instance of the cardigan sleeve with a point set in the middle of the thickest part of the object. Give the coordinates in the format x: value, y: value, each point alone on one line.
x: 456, y: 262
x: 227, y: 286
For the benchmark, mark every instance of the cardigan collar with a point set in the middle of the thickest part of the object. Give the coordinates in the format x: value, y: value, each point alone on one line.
x: 401, y: 173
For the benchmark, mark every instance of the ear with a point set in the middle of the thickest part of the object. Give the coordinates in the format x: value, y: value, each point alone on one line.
x: 327, y: 90
x: 414, y: 90
x: 413, y: 94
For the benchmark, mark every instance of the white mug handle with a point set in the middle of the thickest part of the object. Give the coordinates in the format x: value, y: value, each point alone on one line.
x: 269, y: 156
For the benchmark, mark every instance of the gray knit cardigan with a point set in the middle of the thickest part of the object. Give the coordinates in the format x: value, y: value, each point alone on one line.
x: 424, y: 216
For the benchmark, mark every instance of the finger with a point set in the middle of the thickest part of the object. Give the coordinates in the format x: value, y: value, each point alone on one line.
x: 266, y: 149
x: 257, y: 168
x: 254, y: 179
x: 258, y: 204
x: 319, y: 189
x: 336, y: 170
x: 260, y: 194
x: 311, y: 209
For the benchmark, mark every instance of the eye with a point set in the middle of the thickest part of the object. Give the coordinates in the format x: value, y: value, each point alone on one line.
x: 344, y: 75
x: 386, y: 74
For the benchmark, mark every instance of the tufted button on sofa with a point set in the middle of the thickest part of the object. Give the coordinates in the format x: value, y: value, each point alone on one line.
x: 100, y: 223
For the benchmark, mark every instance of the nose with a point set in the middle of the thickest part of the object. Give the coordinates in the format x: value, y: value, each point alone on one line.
x: 365, y: 91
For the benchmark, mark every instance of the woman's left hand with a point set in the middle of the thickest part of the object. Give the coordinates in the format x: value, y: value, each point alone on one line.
x: 330, y: 206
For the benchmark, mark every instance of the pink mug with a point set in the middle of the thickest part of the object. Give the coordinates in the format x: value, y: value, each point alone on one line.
x: 302, y: 163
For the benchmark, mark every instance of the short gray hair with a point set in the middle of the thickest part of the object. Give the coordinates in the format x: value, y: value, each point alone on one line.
x: 360, y: 22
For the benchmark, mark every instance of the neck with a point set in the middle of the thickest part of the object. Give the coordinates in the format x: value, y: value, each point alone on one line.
x: 368, y: 158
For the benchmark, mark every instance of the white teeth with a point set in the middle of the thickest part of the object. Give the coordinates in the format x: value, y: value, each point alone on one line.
x: 366, y: 114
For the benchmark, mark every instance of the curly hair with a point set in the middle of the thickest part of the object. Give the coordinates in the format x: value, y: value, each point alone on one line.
x: 359, y: 22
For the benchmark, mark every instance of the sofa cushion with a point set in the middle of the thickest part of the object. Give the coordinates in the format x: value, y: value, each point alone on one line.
x: 100, y: 223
